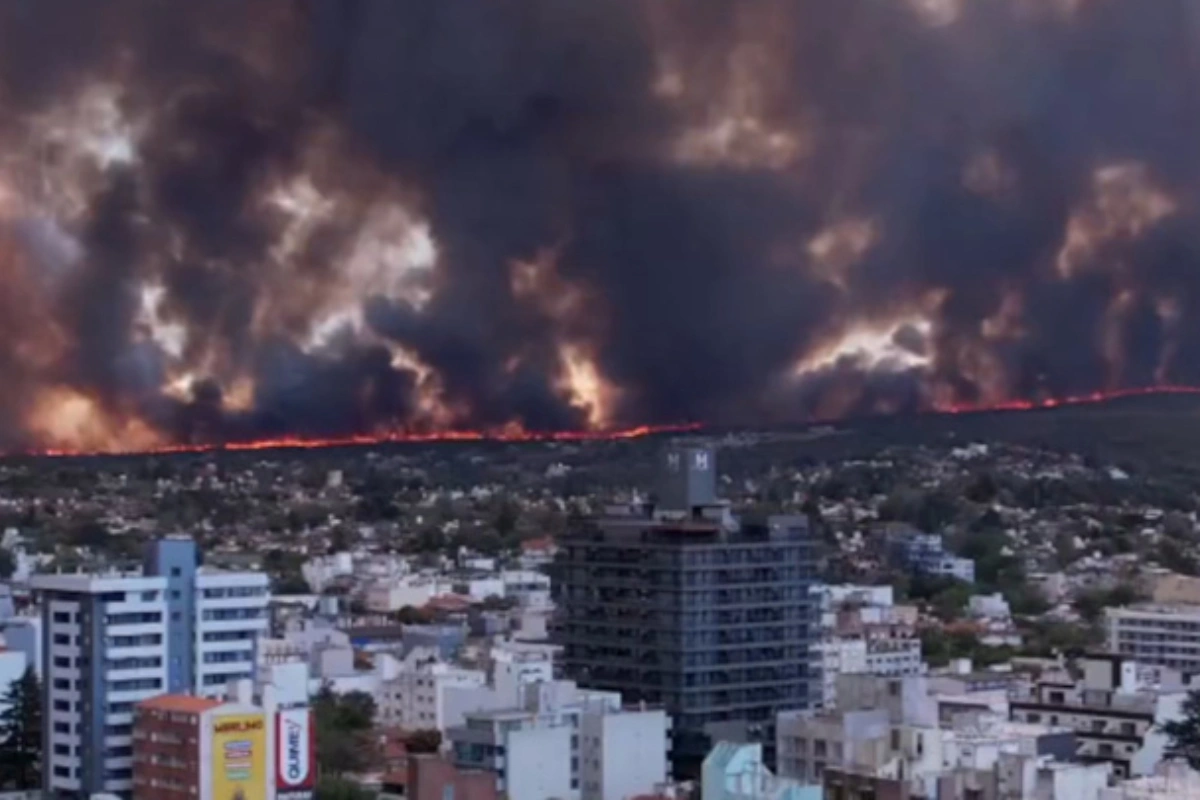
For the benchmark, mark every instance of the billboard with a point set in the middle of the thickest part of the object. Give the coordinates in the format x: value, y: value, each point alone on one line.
x: 294, y: 750
x: 239, y: 746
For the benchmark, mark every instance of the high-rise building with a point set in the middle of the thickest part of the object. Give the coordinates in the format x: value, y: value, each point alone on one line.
x: 681, y: 604
x: 111, y: 640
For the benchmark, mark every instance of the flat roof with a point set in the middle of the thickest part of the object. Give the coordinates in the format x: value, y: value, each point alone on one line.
x: 182, y: 703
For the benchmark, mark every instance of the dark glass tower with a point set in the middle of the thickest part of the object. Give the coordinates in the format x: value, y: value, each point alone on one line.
x: 681, y: 604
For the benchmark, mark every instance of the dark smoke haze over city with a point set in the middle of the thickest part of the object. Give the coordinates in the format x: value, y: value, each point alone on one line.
x: 230, y: 221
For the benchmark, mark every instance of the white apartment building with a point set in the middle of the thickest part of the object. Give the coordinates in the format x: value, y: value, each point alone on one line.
x: 1165, y: 635
x: 105, y: 651
x: 899, y: 655
x: 112, y: 640
x: 622, y: 752
x: 839, y: 657
x: 567, y: 743
x: 231, y: 617
x: 415, y: 696
x: 527, y: 587
x: 863, y: 632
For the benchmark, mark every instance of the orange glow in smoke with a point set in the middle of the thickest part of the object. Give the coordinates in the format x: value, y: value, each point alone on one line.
x: 517, y: 434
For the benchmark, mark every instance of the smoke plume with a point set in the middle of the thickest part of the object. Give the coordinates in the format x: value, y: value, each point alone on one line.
x: 227, y: 221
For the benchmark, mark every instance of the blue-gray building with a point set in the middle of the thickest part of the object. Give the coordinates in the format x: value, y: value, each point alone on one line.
x: 681, y: 604
x: 926, y: 554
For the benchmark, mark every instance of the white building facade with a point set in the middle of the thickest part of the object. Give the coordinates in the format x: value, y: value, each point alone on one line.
x: 1163, y: 635
x: 112, y: 640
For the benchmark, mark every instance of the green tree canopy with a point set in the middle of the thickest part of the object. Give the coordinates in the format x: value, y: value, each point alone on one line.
x: 21, y: 733
x: 1183, y: 734
x: 344, y: 725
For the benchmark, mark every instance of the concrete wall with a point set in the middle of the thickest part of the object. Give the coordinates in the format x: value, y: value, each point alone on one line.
x: 539, y: 764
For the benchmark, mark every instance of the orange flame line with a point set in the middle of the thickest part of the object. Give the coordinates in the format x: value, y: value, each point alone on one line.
x: 1070, y: 400
x: 306, y: 443
x: 641, y: 431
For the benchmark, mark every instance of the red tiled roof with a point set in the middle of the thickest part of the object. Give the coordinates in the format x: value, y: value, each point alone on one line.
x: 449, y: 602
x: 543, y: 543
x: 185, y: 703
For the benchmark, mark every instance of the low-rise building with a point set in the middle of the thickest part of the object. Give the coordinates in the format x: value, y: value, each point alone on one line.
x: 567, y: 743
x: 415, y: 697
x: 431, y: 777
x: 167, y: 732
x: 926, y: 553
x: 1172, y: 780
x: 737, y: 772
x: 188, y: 747
x: 1116, y: 716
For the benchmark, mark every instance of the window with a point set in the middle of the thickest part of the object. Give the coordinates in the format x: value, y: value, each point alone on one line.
x: 62, y: 727
x: 1056, y: 698
x: 895, y: 738
x: 62, y: 662
x: 176, y: 572
x: 62, y: 638
x: 1105, y: 749
x: 1128, y: 729
x: 62, y: 617
x: 135, y: 618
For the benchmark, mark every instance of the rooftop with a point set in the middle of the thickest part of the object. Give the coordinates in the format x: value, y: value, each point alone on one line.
x: 181, y: 703
x: 1158, y: 608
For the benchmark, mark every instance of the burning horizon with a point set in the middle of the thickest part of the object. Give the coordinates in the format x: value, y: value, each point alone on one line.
x: 311, y: 221
x: 513, y: 435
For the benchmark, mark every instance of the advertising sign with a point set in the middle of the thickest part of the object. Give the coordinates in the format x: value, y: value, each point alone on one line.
x: 239, y: 746
x: 294, y: 748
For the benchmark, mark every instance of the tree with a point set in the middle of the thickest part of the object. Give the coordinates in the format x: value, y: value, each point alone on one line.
x: 21, y: 732
x: 89, y: 533
x: 410, y: 615
x: 424, y: 741
x: 1183, y: 734
x: 507, y: 516
x: 344, y: 724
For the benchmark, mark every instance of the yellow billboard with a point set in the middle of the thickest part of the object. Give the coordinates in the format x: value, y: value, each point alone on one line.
x: 239, y: 744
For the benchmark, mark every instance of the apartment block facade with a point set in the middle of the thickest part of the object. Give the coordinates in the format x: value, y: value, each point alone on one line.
x: 1162, y: 635
x: 679, y: 603
x: 113, y: 640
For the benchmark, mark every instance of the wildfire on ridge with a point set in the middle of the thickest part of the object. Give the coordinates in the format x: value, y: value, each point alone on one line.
x: 1070, y: 400
x: 515, y: 434
x: 508, y: 434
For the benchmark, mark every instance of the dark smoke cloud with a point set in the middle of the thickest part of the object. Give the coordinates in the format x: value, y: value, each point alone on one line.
x: 571, y: 137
